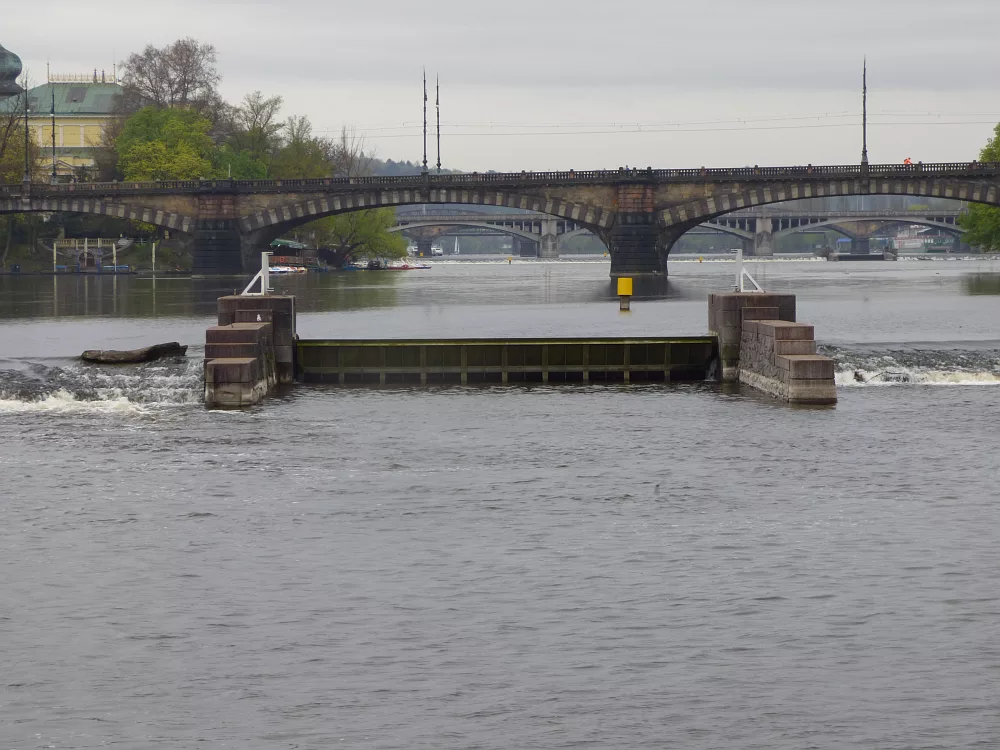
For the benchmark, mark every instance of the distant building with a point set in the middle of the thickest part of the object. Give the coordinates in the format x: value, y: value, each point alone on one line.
x: 83, y: 104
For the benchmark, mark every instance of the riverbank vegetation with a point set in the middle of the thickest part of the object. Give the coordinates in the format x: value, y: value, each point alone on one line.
x: 982, y: 223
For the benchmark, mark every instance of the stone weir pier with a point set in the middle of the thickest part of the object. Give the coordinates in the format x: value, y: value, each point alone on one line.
x: 762, y: 345
x: 753, y: 339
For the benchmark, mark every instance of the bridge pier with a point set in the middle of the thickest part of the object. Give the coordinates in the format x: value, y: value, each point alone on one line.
x: 549, y: 245
x: 860, y: 246
x: 638, y: 246
x: 424, y: 245
x: 526, y: 248
x: 217, y: 252
x: 763, y: 238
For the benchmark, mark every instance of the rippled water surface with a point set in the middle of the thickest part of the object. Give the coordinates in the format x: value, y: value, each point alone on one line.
x: 561, y: 567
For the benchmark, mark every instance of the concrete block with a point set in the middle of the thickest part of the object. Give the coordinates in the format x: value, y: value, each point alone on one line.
x: 811, y: 392
x: 283, y: 336
x: 806, y: 366
x: 231, y: 351
x: 252, y: 316
x: 284, y: 354
x: 278, y: 304
x: 232, y: 370
x: 785, y: 331
x: 239, y: 333
x: 759, y: 313
x: 791, y: 346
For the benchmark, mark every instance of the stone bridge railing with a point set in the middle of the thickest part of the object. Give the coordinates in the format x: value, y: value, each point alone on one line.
x: 538, y: 179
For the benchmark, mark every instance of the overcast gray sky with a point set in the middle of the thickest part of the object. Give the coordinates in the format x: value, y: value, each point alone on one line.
x: 553, y: 84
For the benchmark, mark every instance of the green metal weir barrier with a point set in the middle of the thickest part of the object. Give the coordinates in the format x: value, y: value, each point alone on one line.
x: 621, y: 360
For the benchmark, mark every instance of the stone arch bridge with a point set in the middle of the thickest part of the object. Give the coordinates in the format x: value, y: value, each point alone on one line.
x: 639, y: 214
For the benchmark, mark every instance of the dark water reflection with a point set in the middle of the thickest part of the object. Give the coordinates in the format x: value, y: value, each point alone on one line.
x: 983, y: 283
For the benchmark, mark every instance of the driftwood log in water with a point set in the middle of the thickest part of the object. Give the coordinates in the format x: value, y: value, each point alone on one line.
x: 146, y: 354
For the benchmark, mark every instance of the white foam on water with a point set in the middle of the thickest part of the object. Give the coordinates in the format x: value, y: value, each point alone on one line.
x: 64, y: 402
x: 907, y: 376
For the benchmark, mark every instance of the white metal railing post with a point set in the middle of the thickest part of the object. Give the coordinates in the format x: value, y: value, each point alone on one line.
x: 743, y: 275
x: 263, y: 275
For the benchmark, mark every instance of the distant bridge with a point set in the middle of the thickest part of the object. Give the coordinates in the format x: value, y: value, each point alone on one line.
x: 758, y: 230
x: 638, y: 214
x: 535, y: 234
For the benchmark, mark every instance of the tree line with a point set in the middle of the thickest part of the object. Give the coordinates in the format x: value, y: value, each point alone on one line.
x: 174, y: 125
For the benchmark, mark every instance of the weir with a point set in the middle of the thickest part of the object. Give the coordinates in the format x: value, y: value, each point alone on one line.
x: 753, y: 339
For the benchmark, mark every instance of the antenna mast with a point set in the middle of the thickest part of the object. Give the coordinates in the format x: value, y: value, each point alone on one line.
x: 438, y: 103
x: 27, y: 141
x: 53, y: 90
x: 864, y: 118
x: 425, y: 121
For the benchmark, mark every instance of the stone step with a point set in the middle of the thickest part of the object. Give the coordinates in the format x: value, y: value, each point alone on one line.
x: 791, y: 346
x: 240, y: 333
x: 782, y: 330
x: 231, y: 350
x: 806, y: 366
x: 233, y: 370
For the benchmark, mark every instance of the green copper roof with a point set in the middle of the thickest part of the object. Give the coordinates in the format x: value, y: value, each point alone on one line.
x: 72, y: 98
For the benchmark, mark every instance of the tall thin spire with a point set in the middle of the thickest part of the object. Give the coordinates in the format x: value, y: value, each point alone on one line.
x: 425, y: 121
x: 864, y: 115
x: 438, y: 104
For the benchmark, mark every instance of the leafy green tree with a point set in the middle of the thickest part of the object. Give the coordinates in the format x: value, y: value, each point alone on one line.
x: 240, y: 165
x: 254, y: 127
x: 165, y: 144
x: 982, y: 223
x: 302, y: 155
x: 361, y: 234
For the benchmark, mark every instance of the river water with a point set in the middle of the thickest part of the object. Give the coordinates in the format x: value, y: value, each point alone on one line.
x: 670, y: 566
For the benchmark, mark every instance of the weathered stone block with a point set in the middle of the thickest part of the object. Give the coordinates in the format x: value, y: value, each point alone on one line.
x: 792, y: 346
x: 807, y: 367
x: 230, y: 351
x: 239, y: 333
x: 811, y: 392
x: 760, y: 313
x: 232, y: 370
x: 783, y: 330
x: 253, y: 316
x: 284, y: 354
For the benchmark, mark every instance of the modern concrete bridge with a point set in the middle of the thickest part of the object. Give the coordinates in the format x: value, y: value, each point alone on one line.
x: 759, y: 229
x: 639, y: 214
x: 540, y: 235
x: 534, y: 234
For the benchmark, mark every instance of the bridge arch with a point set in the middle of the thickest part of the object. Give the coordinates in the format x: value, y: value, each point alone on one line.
x: 308, y: 208
x: 157, y: 217
x: 726, y: 200
x: 498, y: 228
x: 834, y: 223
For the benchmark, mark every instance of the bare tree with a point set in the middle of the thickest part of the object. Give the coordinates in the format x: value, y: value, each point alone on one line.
x: 179, y: 75
x: 254, y: 125
x: 347, y: 155
x: 12, y: 135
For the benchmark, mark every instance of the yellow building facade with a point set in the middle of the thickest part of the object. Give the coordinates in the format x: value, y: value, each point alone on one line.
x: 84, y: 106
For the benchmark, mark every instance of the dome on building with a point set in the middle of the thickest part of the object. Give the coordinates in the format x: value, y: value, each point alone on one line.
x: 10, y: 69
